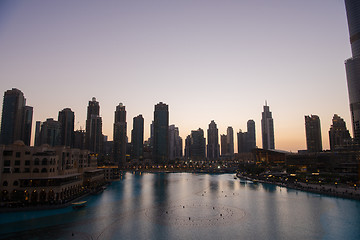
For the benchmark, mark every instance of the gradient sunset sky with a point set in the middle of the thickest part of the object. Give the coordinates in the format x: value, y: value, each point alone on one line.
x: 208, y: 60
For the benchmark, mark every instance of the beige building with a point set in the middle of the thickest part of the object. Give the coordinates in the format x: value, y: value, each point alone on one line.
x: 46, y: 174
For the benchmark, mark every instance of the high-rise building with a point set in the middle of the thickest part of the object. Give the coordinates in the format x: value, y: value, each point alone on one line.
x: 267, y: 128
x: 230, y: 141
x: 79, y: 139
x: 66, y: 118
x: 224, y: 145
x: 353, y: 64
x: 247, y: 140
x: 50, y: 132
x: 120, y: 136
x: 137, y: 137
x: 196, y: 145
x: 251, y: 135
x: 313, y: 133
x: 27, y: 125
x: 93, y: 137
x: 242, y: 139
x: 339, y: 136
x: 37, y: 133
x: 213, y: 148
x: 175, y: 143
x: 161, y: 133
x: 16, y: 119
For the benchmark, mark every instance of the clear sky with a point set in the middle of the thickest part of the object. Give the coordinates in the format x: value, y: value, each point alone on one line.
x: 207, y: 59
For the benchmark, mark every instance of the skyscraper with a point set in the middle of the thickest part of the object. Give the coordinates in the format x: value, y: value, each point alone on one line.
x: 37, y: 133
x: 242, y: 139
x: 313, y: 133
x: 224, y: 145
x: 120, y: 137
x: 16, y: 118
x: 196, y: 145
x: 137, y: 137
x: 230, y: 141
x: 161, y: 133
x: 93, y: 135
x: 339, y: 136
x: 251, y: 135
x: 353, y: 64
x: 213, y: 148
x: 267, y: 128
x: 66, y: 118
x: 27, y: 125
x: 175, y: 143
x: 50, y: 132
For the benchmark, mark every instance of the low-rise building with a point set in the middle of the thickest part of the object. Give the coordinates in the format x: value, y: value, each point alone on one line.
x: 46, y: 174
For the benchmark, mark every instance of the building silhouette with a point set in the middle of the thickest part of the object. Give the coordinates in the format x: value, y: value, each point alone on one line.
x: 230, y: 141
x: 339, y: 136
x: 160, y: 140
x: 93, y: 134
x: 213, y: 148
x: 267, y: 129
x: 37, y: 133
x: 137, y: 137
x: 353, y: 64
x: 66, y: 118
x: 313, y: 133
x: 196, y: 145
x: 251, y: 135
x: 50, y: 132
x: 175, y: 143
x: 120, y: 136
x: 242, y: 139
x: 16, y: 119
x: 224, y: 145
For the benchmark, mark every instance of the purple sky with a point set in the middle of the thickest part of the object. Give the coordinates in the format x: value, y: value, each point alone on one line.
x: 209, y: 60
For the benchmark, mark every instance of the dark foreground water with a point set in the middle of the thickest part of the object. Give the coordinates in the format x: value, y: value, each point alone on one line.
x: 191, y: 206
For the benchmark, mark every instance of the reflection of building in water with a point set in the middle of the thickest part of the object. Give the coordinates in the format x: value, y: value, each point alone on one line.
x: 46, y: 174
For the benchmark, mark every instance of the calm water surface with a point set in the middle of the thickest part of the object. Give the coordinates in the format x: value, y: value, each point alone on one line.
x: 191, y: 206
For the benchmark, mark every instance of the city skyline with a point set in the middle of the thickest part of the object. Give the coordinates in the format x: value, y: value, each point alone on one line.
x: 207, y: 68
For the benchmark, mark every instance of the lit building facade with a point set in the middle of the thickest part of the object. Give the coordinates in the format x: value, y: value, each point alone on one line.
x: 46, y: 174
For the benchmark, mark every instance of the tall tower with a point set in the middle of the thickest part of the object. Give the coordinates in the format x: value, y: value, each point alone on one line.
x: 251, y: 135
x: 313, y: 133
x: 93, y: 136
x: 66, y: 118
x: 197, y: 145
x: 161, y: 133
x: 267, y: 128
x: 50, y: 132
x: 16, y: 118
x: 137, y: 137
x: 353, y: 64
x: 175, y: 143
x: 230, y: 141
x: 339, y: 136
x: 120, y: 138
x: 213, y: 148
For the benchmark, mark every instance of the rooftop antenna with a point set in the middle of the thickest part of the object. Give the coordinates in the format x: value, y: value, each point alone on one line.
x: 265, y: 102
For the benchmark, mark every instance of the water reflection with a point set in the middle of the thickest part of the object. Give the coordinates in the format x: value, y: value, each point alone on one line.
x: 194, y: 206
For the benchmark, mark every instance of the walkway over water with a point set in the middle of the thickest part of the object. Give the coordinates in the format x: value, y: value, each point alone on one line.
x: 191, y: 206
